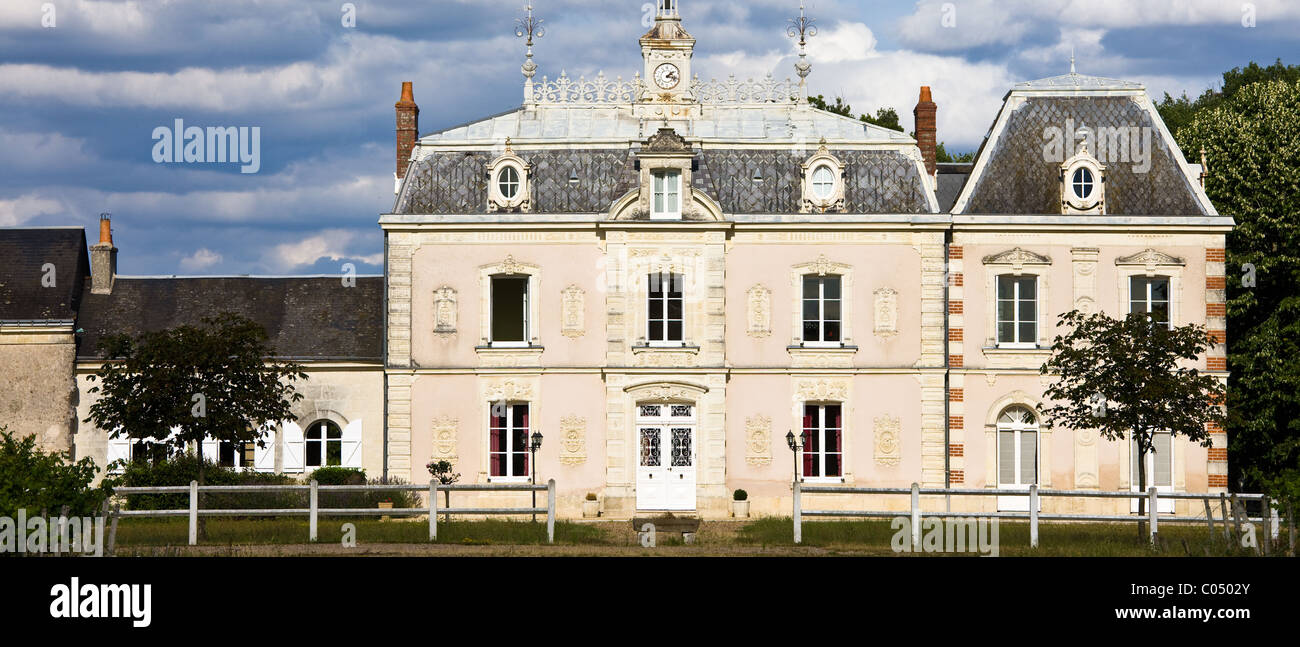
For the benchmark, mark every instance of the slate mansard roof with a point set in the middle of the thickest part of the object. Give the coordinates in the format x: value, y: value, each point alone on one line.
x: 307, y: 318
x: 1013, y: 174
x: 732, y: 145
x: 24, y: 255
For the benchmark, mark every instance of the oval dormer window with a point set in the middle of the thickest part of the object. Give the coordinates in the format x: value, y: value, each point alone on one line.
x: 823, y: 182
x: 1082, y: 183
x: 508, y: 182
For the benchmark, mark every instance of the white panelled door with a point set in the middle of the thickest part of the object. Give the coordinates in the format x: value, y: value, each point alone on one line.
x: 665, y: 476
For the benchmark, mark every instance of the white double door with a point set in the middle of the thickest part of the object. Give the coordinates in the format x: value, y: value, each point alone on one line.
x: 665, y: 475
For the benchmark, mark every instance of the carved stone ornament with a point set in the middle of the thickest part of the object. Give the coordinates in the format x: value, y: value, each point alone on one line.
x: 509, y: 389
x: 1150, y: 259
x: 444, y: 311
x: 823, y: 266
x: 829, y: 390
x: 758, y: 440
x: 888, y: 446
x: 573, y: 440
x: 1017, y: 258
x: 573, y: 312
x: 666, y: 141
x: 759, y: 311
x: 886, y: 311
x: 511, y: 267
x: 444, y: 438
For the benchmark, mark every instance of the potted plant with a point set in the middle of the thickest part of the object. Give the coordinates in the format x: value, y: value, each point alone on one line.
x: 740, y: 504
x: 591, y: 506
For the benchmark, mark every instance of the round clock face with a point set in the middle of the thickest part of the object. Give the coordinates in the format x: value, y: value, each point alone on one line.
x: 667, y: 76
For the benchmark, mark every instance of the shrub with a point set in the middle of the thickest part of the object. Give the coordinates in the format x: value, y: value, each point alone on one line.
x: 591, y: 496
x: 740, y: 495
x: 34, y: 480
x: 338, y: 476
x: 180, y: 470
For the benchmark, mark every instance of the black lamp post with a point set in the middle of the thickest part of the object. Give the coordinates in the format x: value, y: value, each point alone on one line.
x: 533, y: 446
x: 795, y: 446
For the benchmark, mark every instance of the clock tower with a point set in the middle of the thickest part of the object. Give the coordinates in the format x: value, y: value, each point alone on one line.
x: 667, y: 50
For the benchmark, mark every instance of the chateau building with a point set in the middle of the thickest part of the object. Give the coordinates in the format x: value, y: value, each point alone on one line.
x: 667, y: 277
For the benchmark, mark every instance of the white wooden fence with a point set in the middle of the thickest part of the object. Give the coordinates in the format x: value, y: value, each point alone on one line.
x: 313, y: 511
x: 1154, y: 518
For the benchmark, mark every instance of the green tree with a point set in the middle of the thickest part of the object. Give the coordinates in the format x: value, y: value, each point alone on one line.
x: 1252, y: 144
x: 1178, y: 113
x: 942, y: 156
x: 35, y: 480
x: 1130, y: 378
x: 886, y: 117
x: 214, y: 381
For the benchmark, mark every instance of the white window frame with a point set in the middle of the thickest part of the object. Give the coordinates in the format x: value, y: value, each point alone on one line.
x: 674, y: 278
x: 526, y: 308
x: 1015, y: 313
x: 666, y: 184
x: 1018, y: 430
x: 509, y: 443
x: 820, y: 456
x: 821, y: 311
x: 324, y: 441
x: 1147, y: 299
x: 521, y: 200
x: 821, y: 267
x: 515, y: 183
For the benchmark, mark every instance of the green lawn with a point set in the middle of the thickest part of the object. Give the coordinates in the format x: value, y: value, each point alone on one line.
x: 1054, y: 539
x: 770, y: 536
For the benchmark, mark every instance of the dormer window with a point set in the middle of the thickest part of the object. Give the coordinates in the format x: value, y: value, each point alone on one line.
x: 1083, y: 184
x: 666, y: 203
x: 823, y: 183
x: 508, y: 188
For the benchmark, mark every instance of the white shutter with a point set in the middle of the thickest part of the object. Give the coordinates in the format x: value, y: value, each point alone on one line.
x: 1163, y: 459
x: 293, y: 447
x: 211, y: 450
x: 1028, y: 457
x: 1006, y: 457
x: 118, y: 449
x: 264, y: 457
x: 352, y: 445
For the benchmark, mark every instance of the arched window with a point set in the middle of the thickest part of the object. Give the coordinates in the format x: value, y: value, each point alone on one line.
x: 1017, y: 448
x: 324, y: 444
x: 1081, y: 183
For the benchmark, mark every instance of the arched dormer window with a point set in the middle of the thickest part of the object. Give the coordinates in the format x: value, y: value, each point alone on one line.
x: 508, y: 187
x: 1083, y: 184
x: 823, y: 183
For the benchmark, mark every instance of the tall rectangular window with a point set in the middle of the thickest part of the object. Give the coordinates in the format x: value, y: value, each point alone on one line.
x: 1159, y: 461
x: 1017, y: 310
x: 1150, y: 295
x: 822, y: 449
x: 509, y: 311
x: 821, y: 310
x: 666, y: 201
x: 508, y: 441
x: 664, y: 310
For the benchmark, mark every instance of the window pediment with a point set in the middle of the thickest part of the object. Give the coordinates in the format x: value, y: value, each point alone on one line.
x: 1150, y: 259
x: 1017, y: 259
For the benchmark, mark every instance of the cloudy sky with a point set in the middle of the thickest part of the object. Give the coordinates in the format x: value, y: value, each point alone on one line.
x: 84, y: 83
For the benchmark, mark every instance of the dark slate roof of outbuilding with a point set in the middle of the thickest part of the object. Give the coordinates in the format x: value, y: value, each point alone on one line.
x: 23, y: 255
x: 949, y: 181
x: 455, y: 182
x: 308, y: 318
x: 1019, y: 179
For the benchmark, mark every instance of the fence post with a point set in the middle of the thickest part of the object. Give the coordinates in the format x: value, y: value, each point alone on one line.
x: 433, y: 510
x: 1274, y: 527
x: 550, y: 511
x: 1033, y: 516
x: 798, y: 514
x: 311, y: 516
x: 1223, y: 507
x: 1209, y: 517
x: 1151, y: 512
x: 194, y: 513
x: 1266, y: 519
x: 916, y: 517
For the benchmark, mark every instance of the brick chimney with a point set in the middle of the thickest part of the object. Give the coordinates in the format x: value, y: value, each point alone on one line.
x: 103, y: 258
x: 408, y: 126
x: 926, y: 128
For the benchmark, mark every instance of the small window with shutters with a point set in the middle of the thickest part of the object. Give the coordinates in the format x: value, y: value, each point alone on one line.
x: 1017, y: 448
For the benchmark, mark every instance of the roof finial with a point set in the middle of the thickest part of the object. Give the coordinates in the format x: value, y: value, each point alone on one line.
x: 802, y: 28
x: 529, y: 27
x: 1072, y: 59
